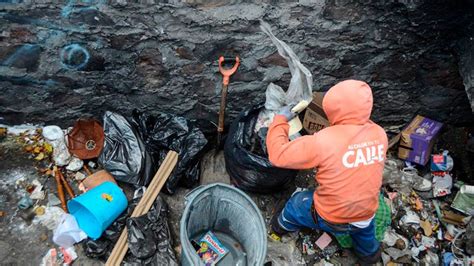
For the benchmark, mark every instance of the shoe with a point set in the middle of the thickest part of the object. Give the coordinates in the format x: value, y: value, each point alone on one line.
x: 275, y: 226
x: 371, y: 259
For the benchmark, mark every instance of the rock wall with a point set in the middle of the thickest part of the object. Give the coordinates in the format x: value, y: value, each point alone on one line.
x: 62, y: 61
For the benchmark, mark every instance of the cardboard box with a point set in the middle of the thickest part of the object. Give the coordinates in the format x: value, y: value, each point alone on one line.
x: 417, y: 140
x: 315, y: 119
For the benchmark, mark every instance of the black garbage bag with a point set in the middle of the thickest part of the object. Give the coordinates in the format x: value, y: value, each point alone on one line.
x: 124, y: 154
x: 246, y: 157
x: 163, y: 132
x: 149, y: 237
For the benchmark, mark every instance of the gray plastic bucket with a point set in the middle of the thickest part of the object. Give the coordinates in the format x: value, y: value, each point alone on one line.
x: 232, y: 216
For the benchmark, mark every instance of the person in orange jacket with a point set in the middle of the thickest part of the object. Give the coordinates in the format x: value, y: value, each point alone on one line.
x: 349, y: 157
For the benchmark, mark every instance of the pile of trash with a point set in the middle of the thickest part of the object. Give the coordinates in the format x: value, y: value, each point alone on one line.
x: 428, y: 224
x: 84, y: 171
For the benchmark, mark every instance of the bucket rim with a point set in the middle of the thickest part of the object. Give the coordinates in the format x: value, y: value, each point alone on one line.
x: 184, y: 237
x: 79, y: 207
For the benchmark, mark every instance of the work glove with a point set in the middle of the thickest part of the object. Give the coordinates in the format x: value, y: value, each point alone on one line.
x: 287, y: 113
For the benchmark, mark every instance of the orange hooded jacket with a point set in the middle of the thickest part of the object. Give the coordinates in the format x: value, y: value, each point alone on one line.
x: 349, y: 154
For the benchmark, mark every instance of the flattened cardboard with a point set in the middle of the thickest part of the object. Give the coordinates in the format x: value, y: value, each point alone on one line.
x: 315, y: 119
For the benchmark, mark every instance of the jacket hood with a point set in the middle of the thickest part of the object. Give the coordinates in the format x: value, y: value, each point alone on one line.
x: 348, y: 102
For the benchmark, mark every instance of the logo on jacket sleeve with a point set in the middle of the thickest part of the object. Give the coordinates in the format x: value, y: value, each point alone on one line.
x: 364, y: 153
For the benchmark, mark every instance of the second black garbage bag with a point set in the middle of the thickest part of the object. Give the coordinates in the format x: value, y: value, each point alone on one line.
x: 246, y: 157
x: 163, y: 132
x: 134, y: 148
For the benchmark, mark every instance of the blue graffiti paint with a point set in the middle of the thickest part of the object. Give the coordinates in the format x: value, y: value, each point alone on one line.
x: 24, y: 49
x: 74, y: 56
x: 70, y: 7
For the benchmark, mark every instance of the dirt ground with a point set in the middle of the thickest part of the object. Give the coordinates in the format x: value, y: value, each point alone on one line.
x: 24, y: 241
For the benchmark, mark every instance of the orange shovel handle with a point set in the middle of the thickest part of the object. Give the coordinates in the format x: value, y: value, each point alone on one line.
x: 226, y: 73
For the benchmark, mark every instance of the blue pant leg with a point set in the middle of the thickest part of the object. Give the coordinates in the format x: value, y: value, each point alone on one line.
x: 365, y: 243
x: 297, y: 212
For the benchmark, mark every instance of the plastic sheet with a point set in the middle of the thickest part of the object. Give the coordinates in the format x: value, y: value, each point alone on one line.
x: 124, y: 154
x: 163, y: 132
x: 247, y: 162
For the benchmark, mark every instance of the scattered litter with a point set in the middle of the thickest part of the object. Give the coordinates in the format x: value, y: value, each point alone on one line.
x: 92, y: 164
x: 431, y: 258
x: 79, y: 176
x: 442, y: 185
x: 37, y: 193
x: 3, y: 132
x: 40, y: 210
x: 75, y: 164
x: 19, y: 129
x: 464, y: 200
x: 55, y: 136
x: 323, y: 241
x: 441, y: 162
x: 67, y: 233
x: 391, y: 238
x: 63, y: 257
x: 426, y: 226
x: 51, y: 217
x: 410, y: 218
x: 53, y: 200
x: 395, y: 253
x: 428, y: 242
x: 25, y: 203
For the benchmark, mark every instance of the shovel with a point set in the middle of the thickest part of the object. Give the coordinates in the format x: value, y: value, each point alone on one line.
x: 226, y: 73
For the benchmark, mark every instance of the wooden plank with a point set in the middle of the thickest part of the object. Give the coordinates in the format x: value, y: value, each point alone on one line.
x: 158, y: 181
x: 394, y: 140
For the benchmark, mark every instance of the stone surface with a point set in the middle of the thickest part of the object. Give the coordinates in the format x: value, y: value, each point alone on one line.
x: 163, y: 56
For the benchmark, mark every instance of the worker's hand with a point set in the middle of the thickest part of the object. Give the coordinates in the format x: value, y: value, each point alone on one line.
x: 287, y: 113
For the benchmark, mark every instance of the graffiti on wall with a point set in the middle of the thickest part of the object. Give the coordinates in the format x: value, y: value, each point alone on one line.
x: 74, y: 56
x: 76, y: 6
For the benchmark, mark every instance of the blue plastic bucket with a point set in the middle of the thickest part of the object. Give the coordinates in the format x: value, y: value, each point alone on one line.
x: 96, y: 209
x: 232, y: 216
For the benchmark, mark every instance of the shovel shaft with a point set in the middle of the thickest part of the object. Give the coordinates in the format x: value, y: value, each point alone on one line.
x: 220, y: 128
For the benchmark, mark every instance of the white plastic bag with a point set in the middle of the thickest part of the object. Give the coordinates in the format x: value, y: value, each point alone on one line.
x: 301, y: 82
x: 67, y: 233
x: 300, y: 87
x: 55, y: 137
